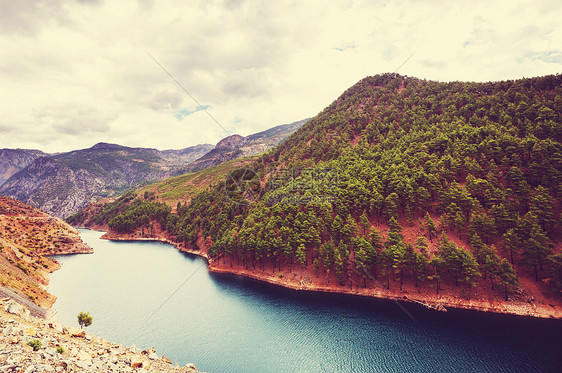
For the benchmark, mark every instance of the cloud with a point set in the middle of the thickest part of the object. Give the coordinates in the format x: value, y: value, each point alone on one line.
x: 75, y: 73
x: 553, y: 56
x: 180, y: 114
x: 75, y: 120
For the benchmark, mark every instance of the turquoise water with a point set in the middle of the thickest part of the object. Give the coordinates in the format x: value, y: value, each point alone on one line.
x: 224, y: 323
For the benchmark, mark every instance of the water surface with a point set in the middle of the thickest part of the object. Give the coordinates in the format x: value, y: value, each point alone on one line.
x: 150, y: 294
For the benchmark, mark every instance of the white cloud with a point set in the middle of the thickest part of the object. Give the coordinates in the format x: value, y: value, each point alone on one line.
x: 75, y: 73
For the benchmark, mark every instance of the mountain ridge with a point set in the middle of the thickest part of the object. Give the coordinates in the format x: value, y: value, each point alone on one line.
x: 63, y: 183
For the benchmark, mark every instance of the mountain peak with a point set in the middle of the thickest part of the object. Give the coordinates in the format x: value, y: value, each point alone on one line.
x: 230, y: 142
x: 105, y: 145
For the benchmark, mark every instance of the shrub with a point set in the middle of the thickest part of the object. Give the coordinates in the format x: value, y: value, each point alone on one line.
x: 35, y: 344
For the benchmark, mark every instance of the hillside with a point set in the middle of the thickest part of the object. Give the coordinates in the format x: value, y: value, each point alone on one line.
x: 27, y: 235
x: 443, y: 193
x: 237, y: 146
x: 169, y: 192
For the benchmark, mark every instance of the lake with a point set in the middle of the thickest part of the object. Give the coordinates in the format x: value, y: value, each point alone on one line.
x: 151, y: 295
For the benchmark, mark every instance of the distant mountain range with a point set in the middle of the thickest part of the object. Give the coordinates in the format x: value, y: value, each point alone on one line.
x: 61, y: 184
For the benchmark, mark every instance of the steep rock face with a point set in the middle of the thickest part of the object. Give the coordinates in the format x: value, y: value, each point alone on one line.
x: 53, y: 187
x: 237, y: 146
x: 27, y: 236
x: 230, y: 142
x: 14, y: 160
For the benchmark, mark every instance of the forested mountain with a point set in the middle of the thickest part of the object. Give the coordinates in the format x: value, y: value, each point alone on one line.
x: 437, y: 185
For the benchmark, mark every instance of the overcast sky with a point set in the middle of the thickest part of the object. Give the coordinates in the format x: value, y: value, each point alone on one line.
x: 74, y: 73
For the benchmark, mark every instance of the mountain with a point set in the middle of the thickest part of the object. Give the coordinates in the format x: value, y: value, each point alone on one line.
x: 446, y: 194
x: 63, y: 183
x: 28, y: 236
x: 237, y: 146
x: 14, y: 160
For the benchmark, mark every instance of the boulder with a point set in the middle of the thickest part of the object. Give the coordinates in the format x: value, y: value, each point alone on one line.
x: 78, y: 333
x: 136, y: 362
x: 16, y: 309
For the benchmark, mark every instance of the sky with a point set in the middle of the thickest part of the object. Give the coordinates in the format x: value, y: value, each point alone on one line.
x: 75, y: 73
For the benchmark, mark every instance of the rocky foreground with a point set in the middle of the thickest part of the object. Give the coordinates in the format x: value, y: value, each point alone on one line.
x: 65, y: 349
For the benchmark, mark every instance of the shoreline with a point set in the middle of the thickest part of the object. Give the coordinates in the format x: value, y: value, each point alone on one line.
x: 434, y: 302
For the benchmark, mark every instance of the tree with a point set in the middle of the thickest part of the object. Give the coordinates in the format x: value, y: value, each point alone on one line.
x: 511, y: 242
x: 469, y: 269
x: 349, y: 228
x: 429, y: 225
x: 84, y: 319
x: 421, y: 265
x: 555, y: 270
x: 337, y: 226
x: 301, y: 255
x: 316, y: 266
x: 536, y: 249
x: 364, y: 223
x: 437, y: 263
x: 507, y: 275
x: 339, y: 264
x: 395, y: 236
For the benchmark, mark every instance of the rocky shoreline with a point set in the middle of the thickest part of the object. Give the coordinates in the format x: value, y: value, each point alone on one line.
x: 435, y: 302
x: 65, y: 349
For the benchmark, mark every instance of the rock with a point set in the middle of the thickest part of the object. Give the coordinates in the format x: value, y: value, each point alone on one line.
x: 56, y: 327
x: 83, y: 364
x: 78, y: 333
x: 39, y: 368
x: 15, y: 340
x: 97, y: 364
x: 166, y: 360
x: 8, y: 330
x: 16, y: 309
x: 30, y: 331
x: 136, y: 362
x: 83, y: 355
x: 148, y: 351
x: 153, y: 356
